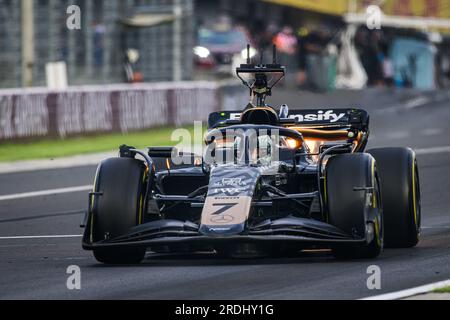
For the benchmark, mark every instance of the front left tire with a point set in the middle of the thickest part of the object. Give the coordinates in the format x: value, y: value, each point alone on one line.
x: 353, y: 200
x: 400, y: 185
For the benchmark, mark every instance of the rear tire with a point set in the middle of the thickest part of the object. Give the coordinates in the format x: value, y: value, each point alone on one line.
x: 119, y: 208
x: 400, y: 187
x: 354, y: 212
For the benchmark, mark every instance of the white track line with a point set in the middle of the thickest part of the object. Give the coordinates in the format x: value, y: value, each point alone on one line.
x: 411, y: 292
x: 44, y: 193
x: 417, y: 102
x: 407, y: 105
x: 59, y: 163
x: 434, y: 150
x: 432, y: 132
x: 41, y: 237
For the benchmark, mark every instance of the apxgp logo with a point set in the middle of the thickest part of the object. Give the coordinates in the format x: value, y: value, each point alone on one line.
x: 230, y: 182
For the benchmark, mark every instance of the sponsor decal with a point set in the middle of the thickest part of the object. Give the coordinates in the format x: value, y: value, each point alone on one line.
x: 228, y: 191
x: 320, y: 116
x: 230, y: 182
x: 235, y: 116
x: 222, y: 219
x: 233, y: 181
x: 223, y: 207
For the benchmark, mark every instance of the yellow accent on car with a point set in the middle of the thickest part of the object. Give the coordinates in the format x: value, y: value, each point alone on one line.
x: 141, y: 207
x: 374, y: 194
x: 92, y: 206
x: 377, y: 232
x: 140, y: 210
x: 414, y: 191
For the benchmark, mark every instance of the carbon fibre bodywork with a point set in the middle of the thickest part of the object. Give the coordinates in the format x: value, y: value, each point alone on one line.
x: 280, y: 203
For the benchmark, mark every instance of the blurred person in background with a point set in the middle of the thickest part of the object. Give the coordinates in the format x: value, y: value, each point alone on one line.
x: 287, y: 46
x: 263, y: 34
x: 443, y: 65
x: 286, y: 41
x: 370, y: 54
x: 99, y: 34
x: 301, y: 56
x: 131, y: 59
x: 314, y: 47
x: 387, y: 66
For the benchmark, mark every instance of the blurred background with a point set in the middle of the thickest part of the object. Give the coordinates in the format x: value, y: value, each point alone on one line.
x: 125, y: 65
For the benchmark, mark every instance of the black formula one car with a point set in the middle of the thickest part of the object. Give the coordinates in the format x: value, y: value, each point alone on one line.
x: 269, y: 183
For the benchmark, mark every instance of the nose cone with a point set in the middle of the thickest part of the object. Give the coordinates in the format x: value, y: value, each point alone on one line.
x: 225, y: 215
x: 227, y: 206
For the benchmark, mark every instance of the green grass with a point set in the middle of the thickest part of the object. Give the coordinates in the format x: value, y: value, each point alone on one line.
x: 443, y: 290
x: 55, y: 148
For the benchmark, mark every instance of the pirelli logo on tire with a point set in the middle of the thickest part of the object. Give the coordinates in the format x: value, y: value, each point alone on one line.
x: 224, y: 211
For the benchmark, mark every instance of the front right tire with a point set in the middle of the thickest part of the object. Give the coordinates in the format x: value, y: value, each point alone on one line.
x: 119, y: 206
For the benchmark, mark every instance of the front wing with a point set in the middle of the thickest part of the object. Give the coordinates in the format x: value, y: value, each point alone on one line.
x: 305, y: 232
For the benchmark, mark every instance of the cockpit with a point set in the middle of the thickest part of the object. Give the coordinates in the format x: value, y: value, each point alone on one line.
x: 252, y: 145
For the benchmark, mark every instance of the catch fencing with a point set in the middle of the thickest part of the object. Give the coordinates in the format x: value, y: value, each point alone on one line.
x: 78, y: 111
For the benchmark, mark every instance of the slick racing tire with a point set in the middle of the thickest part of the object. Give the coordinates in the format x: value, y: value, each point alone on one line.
x: 353, y: 199
x: 118, y: 207
x: 400, y: 188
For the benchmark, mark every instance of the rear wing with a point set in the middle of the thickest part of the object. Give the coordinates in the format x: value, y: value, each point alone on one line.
x: 317, y: 118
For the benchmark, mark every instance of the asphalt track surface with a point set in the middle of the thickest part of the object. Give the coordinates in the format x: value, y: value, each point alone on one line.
x: 35, y: 268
